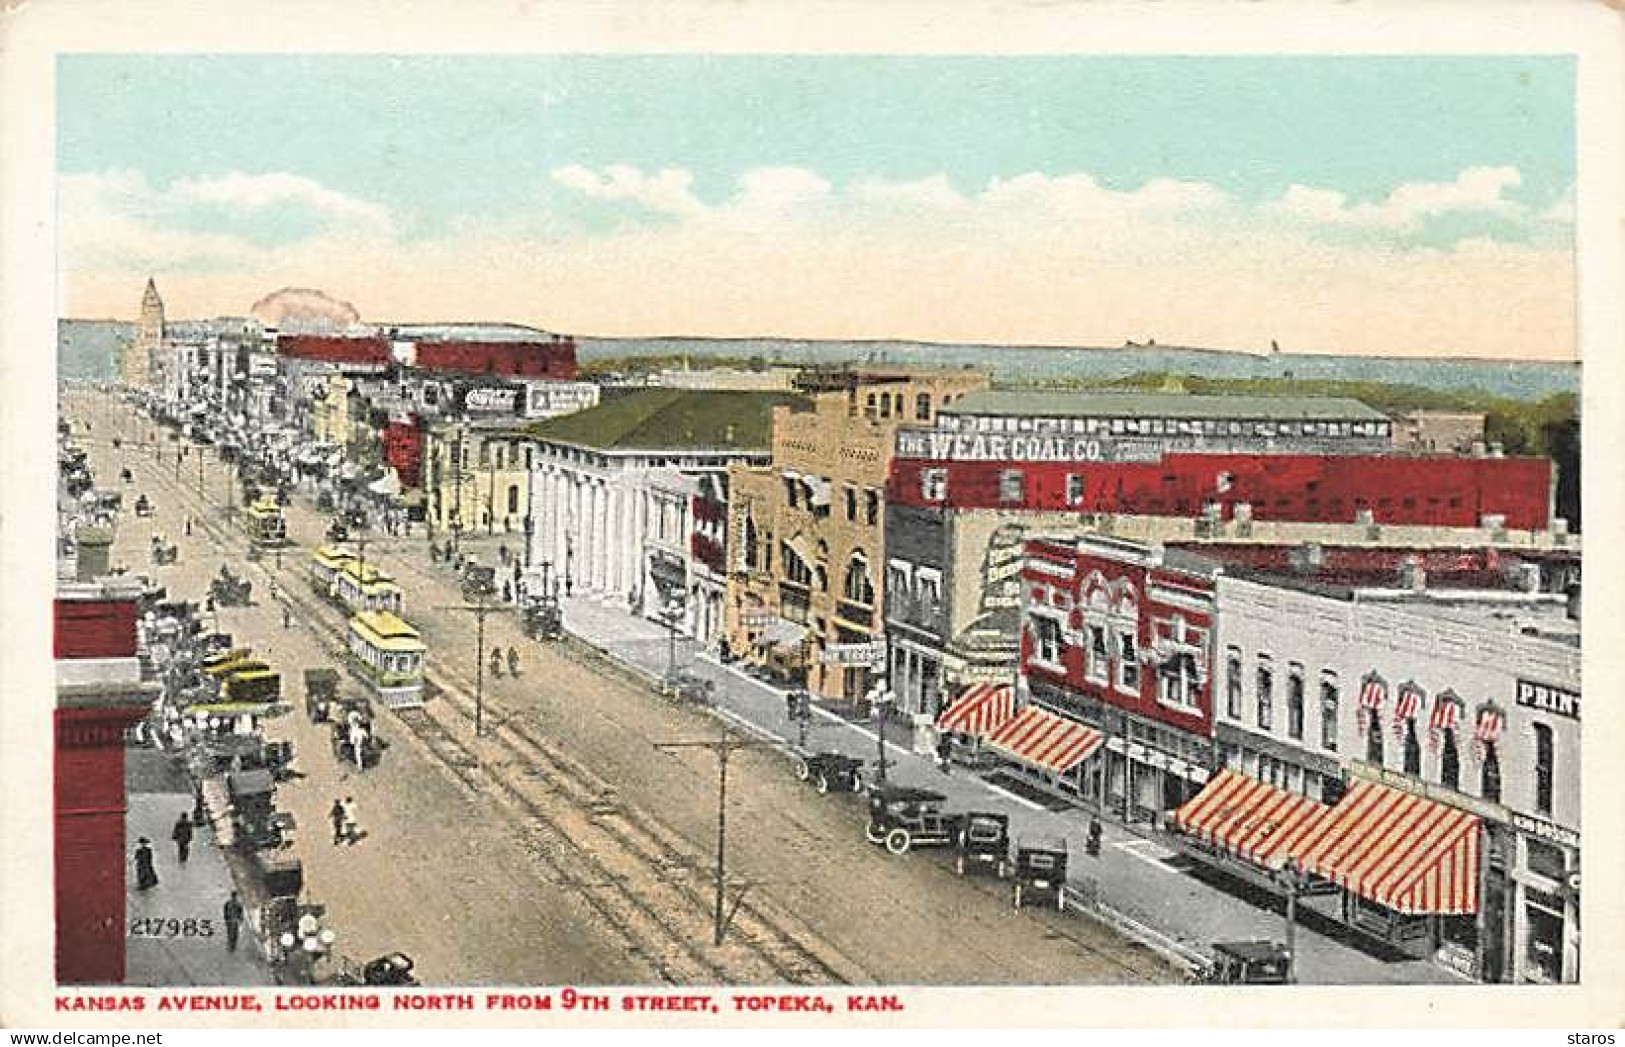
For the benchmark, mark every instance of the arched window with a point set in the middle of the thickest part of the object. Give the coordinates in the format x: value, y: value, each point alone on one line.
x: 1449, y: 760
x: 859, y: 588
x: 1489, y: 778
x: 1413, y: 749
x: 1373, y: 736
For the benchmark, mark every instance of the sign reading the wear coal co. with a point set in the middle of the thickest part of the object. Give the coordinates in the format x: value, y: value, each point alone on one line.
x: 1022, y: 447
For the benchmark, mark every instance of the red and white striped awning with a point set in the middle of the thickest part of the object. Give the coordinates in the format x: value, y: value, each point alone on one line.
x: 1041, y: 739
x: 1245, y: 817
x: 980, y: 709
x: 1411, y: 854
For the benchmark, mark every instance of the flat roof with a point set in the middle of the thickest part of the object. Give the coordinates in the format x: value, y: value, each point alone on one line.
x: 385, y: 625
x: 669, y: 419
x: 1160, y: 405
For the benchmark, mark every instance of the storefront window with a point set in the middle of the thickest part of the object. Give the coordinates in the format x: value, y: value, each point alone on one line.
x: 1543, y: 958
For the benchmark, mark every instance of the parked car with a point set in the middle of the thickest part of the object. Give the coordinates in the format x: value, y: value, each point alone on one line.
x: 830, y: 770
x: 902, y: 817
x: 984, y: 841
x: 1249, y: 963
x: 1040, y: 870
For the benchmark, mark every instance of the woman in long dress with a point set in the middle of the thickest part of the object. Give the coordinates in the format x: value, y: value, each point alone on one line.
x: 145, y: 874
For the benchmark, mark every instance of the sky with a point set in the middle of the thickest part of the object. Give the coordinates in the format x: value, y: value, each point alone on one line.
x: 1365, y: 205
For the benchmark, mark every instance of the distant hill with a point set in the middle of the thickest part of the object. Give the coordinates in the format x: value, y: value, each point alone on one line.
x: 1044, y: 365
x: 87, y: 350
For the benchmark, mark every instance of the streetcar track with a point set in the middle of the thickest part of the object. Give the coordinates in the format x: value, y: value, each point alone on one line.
x: 668, y: 859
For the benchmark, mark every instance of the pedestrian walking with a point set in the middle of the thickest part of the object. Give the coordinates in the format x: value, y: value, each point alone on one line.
x: 336, y: 814
x: 358, y: 742
x: 182, y: 835
x: 232, y: 913
x: 200, y: 816
x: 188, y: 527
x: 146, y: 876
x: 1092, y: 844
x: 945, y: 753
x: 513, y: 662
x: 352, y: 829
x: 496, y: 661
x: 502, y: 552
x: 507, y: 592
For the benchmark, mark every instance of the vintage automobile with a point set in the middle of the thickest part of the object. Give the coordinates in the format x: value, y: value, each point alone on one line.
x: 338, y: 532
x: 479, y: 579
x: 903, y: 817
x: 1249, y: 963
x: 142, y: 506
x: 689, y: 687
x: 984, y: 841
x: 1040, y: 869
x: 391, y: 969
x: 321, y: 689
x: 830, y: 770
x: 230, y: 590
x: 544, y: 620
x: 164, y: 553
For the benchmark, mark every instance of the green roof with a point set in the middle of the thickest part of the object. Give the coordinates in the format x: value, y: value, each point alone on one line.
x: 672, y: 419
x: 1161, y: 405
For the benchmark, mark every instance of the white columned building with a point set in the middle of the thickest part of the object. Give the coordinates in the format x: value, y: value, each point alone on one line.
x: 610, y: 485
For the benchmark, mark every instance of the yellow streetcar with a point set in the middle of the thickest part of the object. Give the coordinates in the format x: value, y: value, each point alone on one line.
x: 389, y: 655
x: 326, y: 561
x: 363, y: 587
x: 266, y: 527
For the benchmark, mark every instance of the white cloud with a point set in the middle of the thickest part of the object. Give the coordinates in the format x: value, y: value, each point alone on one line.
x: 259, y: 192
x: 667, y: 192
x: 1476, y: 190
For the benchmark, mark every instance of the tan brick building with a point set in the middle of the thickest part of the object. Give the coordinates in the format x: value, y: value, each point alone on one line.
x: 806, y: 533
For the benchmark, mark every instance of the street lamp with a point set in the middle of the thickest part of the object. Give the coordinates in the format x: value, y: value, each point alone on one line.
x: 881, y: 699
x: 671, y: 614
x: 1292, y: 884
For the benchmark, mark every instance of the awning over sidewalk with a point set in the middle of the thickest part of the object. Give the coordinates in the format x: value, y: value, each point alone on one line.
x: 980, y: 709
x: 1400, y: 850
x: 1041, y: 739
x: 1244, y: 817
x: 781, y: 633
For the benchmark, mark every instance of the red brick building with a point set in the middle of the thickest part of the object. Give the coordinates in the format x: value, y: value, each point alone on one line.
x: 403, y: 448
x: 554, y: 360
x: 1116, y: 636
x: 371, y: 350
x: 100, y: 694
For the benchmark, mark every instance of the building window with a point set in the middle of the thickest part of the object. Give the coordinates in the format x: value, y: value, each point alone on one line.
x: 898, y: 577
x: 1012, y: 484
x: 1232, y: 684
x: 934, y: 484
x: 1265, y: 693
x: 1543, y: 768
x: 1074, y: 488
x: 1373, y: 736
x: 821, y: 578
x: 1413, y: 749
x: 1489, y: 776
x: 1449, y: 760
x: 752, y: 546
x: 851, y: 503
x: 930, y: 588
x: 871, y: 506
x: 530, y: 457
x: 922, y: 407
x: 1099, y: 664
x: 1047, y: 640
x: 513, y: 498
x: 1294, y: 702
x: 1176, y: 681
x: 859, y: 588
x: 1128, y: 661
x: 791, y: 489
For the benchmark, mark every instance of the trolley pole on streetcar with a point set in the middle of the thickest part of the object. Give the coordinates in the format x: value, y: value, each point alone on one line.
x: 724, y: 746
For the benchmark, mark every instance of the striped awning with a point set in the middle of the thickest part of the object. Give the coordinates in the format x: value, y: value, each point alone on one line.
x: 980, y: 709
x: 1244, y: 817
x: 1400, y: 850
x: 1041, y: 739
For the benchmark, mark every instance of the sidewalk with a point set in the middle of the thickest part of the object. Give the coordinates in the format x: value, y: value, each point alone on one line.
x: 1133, y: 875
x: 164, y: 953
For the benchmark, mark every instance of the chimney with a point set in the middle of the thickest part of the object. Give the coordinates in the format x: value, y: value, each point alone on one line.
x: 1411, y: 575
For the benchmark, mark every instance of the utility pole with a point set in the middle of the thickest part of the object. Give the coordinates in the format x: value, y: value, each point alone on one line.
x: 479, y: 609
x: 724, y: 747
